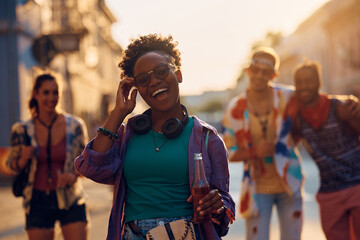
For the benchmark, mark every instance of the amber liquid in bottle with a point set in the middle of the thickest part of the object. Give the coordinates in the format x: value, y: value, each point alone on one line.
x: 200, y: 187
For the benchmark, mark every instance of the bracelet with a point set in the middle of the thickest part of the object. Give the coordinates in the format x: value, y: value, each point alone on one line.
x: 112, y: 138
x: 111, y: 135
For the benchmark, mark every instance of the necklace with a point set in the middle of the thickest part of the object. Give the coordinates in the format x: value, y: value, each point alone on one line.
x: 44, y: 124
x: 263, y: 123
x: 157, y: 148
x: 48, y: 148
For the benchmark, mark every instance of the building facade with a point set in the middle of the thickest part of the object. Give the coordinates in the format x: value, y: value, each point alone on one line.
x: 330, y: 36
x: 71, y: 37
x: 343, y: 29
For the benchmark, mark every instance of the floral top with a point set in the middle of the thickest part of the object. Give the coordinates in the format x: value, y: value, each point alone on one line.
x: 75, y: 142
x: 107, y: 168
x: 236, y: 134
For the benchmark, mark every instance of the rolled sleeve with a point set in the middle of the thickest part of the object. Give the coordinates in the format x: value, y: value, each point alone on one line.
x: 99, y: 167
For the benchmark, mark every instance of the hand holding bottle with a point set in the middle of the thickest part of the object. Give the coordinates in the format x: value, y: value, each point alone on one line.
x: 211, y: 203
x: 204, y: 201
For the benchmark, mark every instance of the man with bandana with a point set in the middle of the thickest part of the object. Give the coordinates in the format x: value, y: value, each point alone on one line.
x: 330, y: 130
x: 256, y: 132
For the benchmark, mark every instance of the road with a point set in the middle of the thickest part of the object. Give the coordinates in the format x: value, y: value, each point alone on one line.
x: 100, y: 197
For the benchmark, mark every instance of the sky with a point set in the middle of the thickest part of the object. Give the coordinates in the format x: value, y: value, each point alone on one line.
x: 214, y: 36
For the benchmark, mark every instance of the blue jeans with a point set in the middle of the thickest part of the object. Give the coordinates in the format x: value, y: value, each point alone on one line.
x: 146, y: 225
x: 289, y: 209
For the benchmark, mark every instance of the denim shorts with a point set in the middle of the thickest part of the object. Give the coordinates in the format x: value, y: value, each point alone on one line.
x: 44, y: 211
x: 145, y: 225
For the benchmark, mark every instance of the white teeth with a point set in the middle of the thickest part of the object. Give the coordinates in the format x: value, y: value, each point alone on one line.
x: 159, y: 91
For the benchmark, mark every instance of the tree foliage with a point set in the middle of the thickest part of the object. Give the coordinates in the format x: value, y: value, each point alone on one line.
x: 271, y: 39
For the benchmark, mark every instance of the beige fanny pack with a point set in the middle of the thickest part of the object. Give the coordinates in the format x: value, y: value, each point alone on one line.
x: 176, y: 230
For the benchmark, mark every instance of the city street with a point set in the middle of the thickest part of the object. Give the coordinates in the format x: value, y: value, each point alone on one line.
x: 83, y: 59
x: 100, y: 198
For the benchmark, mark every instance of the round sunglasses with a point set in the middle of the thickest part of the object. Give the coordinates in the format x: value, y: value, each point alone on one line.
x: 160, y: 72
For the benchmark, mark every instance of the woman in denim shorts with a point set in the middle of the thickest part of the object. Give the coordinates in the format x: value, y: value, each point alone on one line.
x: 150, y: 158
x: 47, y: 144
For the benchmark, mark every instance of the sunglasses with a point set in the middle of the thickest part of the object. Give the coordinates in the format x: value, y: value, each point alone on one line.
x: 265, y: 72
x: 160, y: 72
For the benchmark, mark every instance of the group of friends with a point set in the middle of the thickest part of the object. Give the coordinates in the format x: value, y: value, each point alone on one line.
x: 149, y: 158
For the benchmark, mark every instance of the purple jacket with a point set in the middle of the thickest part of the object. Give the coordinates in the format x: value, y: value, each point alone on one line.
x: 107, y: 168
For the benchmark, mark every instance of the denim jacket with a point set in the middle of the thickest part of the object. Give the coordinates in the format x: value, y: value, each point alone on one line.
x: 107, y: 168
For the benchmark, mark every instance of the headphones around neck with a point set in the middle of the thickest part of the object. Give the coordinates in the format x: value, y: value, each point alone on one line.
x: 172, y: 128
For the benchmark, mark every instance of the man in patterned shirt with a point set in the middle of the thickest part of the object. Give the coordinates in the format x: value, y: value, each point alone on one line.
x: 257, y: 133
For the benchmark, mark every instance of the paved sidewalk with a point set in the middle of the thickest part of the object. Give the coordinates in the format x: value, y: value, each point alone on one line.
x: 100, y: 199
x: 12, y: 216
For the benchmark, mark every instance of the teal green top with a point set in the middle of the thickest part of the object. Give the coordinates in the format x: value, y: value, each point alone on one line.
x: 157, y: 182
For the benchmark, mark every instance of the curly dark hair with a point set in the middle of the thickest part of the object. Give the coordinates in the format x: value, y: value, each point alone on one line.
x: 144, y: 44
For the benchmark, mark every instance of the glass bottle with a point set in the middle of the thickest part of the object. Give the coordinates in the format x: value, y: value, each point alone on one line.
x: 199, y: 188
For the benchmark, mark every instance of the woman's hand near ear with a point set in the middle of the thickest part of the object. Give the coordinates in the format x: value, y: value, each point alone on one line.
x: 125, y: 104
x: 125, y: 99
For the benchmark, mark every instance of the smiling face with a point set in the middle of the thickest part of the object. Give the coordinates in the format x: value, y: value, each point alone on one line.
x: 47, y: 96
x: 307, y: 86
x: 260, y: 72
x: 159, y: 94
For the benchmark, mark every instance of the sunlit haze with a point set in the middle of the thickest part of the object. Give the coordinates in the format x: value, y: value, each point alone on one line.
x: 214, y: 36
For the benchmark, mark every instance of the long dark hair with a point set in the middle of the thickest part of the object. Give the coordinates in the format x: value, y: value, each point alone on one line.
x: 33, y: 104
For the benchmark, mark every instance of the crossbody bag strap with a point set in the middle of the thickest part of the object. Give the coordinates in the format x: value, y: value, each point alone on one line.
x: 169, y: 231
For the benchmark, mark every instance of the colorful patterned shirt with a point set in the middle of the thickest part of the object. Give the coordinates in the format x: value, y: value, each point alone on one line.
x: 236, y: 134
